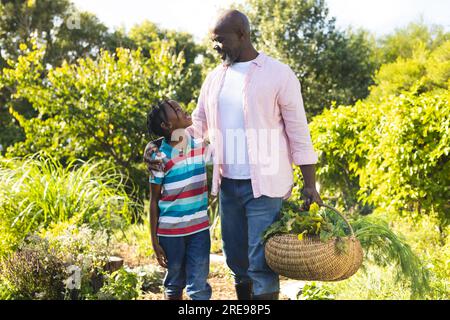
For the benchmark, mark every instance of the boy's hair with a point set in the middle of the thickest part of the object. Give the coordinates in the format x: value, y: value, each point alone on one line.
x: 156, y: 116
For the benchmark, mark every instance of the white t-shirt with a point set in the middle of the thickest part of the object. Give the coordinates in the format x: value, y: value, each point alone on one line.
x: 231, y: 123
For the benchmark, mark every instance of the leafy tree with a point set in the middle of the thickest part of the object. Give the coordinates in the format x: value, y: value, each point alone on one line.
x: 67, y: 33
x: 332, y: 65
x: 404, y: 41
x: 438, y: 67
x: 430, y: 69
x: 336, y: 136
x: 147, y: 35
x: 96, y: 107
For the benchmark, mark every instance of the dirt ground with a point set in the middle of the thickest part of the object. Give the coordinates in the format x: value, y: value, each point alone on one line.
x: 219, y: 277
x: 221, y: 284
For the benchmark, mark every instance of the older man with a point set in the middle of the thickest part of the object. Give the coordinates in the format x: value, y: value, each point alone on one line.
x: 251, y: 109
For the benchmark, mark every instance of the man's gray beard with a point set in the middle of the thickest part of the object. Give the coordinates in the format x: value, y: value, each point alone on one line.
x: 228, y: 60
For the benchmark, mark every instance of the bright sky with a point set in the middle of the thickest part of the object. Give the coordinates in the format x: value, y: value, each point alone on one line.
x: 194, y: 16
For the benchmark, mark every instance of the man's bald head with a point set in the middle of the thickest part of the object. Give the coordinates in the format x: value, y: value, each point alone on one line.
x: 231, y: 37
x: 233, y: 20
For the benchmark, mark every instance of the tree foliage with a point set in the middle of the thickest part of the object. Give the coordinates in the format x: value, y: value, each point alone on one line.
x: 332, y: 65
x: 148, y: 36
x: 96, y: 107
x: 403, y: 42
x: 67, y: 34
x: 391, y: 150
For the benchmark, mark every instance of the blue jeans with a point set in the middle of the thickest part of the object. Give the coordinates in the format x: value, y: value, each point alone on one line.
x: 187, y: 265
x: 244, y: 219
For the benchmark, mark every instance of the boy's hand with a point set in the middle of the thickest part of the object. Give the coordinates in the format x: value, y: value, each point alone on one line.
x: 160, y: 255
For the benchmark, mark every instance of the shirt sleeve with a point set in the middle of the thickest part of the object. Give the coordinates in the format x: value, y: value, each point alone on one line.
x: 208, y: 154
x: 156, y: 179
x: 157, y: 176
x: 290, y: 102
x: 199, y: 126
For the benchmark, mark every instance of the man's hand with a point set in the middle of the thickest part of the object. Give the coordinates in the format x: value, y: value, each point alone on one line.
x: 150, y: 148
x: 160, y: 255
x: 309, y: 192
x: 310, y: 195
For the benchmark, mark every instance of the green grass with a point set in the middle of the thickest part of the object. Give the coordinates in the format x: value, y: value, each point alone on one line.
x: 137, y: 237
x: 384, y: 247
x: 392, y: 273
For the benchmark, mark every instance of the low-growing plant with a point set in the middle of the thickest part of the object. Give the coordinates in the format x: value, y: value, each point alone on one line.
x: 46, y: 262
x: 150, y: 277
x: 314, y: 291
x: 371, y: 283
x: 34, y: 271
x: 79, y: 245
x: 5, y: 293
x: 120, y: 285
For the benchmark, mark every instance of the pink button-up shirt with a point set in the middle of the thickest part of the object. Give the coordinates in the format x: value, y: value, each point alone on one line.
x: 276, y: 128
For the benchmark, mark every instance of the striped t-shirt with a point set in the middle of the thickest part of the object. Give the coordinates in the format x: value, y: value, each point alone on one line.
x: 183, y: 206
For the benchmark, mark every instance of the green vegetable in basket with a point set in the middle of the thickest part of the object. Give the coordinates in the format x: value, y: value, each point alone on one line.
x: 315, y: 222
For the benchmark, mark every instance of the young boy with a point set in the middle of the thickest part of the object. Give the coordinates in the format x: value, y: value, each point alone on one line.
x: 179, y: 203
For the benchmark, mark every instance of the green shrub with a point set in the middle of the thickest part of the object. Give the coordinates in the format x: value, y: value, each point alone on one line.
x: 81, y: 247
x: 407, y: 169
x: 391, y: 150
x: 392, y: 155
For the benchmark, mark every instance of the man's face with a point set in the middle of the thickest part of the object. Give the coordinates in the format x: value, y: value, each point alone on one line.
x: 227, y: 44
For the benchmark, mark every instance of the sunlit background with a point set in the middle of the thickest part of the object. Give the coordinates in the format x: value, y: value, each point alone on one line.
x: 75, y: 91
x: 195, y: 16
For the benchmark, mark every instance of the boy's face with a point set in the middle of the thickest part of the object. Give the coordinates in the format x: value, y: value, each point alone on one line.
x: 176, y: 116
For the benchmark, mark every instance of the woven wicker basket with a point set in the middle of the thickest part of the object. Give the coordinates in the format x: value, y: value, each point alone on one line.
x: 313, y: 260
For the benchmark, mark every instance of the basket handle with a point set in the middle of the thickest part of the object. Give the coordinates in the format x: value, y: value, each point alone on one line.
x: 341, y: 215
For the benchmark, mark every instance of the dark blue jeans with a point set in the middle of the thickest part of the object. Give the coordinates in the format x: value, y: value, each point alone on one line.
x: 188, y: 265
x: 244, y: 219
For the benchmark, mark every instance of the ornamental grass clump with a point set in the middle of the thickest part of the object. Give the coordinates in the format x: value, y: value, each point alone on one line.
x: 39, y: 190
